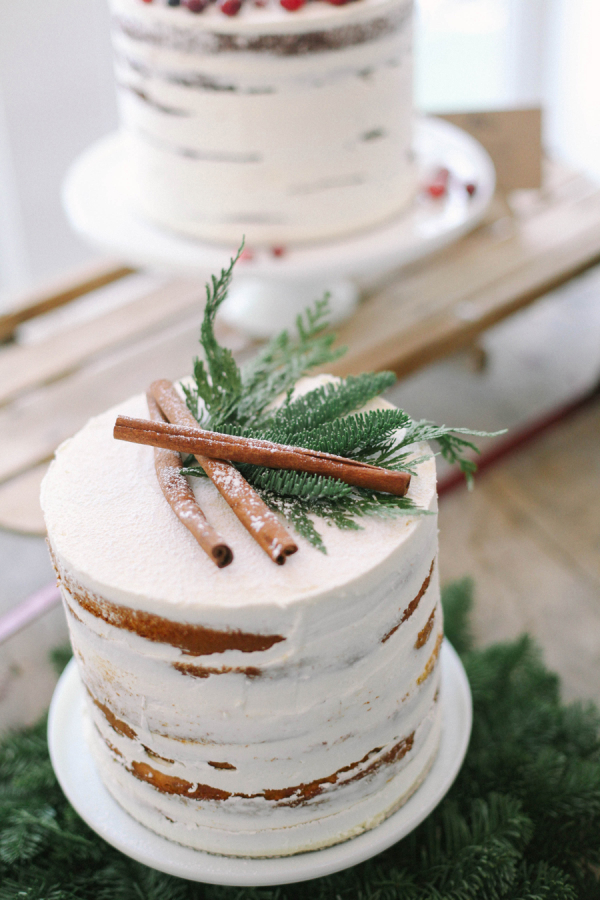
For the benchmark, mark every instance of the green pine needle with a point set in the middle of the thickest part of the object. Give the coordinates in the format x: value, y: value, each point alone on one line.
x: 331, y: 418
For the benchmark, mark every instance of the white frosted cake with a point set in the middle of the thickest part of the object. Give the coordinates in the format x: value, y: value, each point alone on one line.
x: 255, y: 710
x: 283, y: 126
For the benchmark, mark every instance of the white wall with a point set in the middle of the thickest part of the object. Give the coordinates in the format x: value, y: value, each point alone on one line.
x: 479, y: 54
x: 572, y: 82
x: 495, y: 54
x: 14, y: 264
x: 56, y: 97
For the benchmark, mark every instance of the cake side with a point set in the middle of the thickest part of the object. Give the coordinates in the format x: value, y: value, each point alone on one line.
x: 283, y: 127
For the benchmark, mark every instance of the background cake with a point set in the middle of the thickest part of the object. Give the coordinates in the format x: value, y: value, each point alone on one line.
x: 255, y: 710
x: 285, y: 126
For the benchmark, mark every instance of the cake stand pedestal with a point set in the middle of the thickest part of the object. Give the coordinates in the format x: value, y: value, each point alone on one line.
x: 268, y: 290
x: 81, y: 783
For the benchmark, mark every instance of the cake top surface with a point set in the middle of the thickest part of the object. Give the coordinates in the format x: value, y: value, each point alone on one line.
x: 112, y: 529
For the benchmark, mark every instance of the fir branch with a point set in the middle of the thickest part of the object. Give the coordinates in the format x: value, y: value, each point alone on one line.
x: 311, y: 488
x: 276, y: 369
x: 297, y: 513
x: 330, y: 401
x: 342, y: 511
x: 218, y: 381
x: 300, y: 497
x: 60, y: 657
x: 330, y: 418
x: 458, y: 603
x: 452, y: 447
x: 356, y: 437
x: 544, y: 882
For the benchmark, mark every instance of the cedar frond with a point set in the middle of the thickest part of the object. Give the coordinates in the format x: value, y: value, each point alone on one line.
x: 329, y: 418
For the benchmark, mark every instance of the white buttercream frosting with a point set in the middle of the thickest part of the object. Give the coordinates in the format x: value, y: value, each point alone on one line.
x: 344, y: 700
x: 282, y: 126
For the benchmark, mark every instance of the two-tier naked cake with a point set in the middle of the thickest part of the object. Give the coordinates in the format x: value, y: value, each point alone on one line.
x: 254, y: 710
x: 285, y: 121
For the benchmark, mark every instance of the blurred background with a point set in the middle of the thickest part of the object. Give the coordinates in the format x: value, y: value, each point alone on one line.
x: 57, y: 96
x: 530, y: 533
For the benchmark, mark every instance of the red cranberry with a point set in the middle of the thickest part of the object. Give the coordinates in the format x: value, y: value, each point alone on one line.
x: 438, y: 186
x: 292, y: 5
x: 147, y: 1
x: 195, y: 6
x: 230, y: 7
x: 278, y: 251
x: 436, y: 189
x: 471, y: 189
x: 338, y: 2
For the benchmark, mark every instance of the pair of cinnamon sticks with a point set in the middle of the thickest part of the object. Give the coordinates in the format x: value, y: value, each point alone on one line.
x: 164, y: 403
x: 181, y: 434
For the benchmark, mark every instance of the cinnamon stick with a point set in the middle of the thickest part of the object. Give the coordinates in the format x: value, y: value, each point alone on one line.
x: 255, y: 516
x: 181, y: 498
x: 262, y: 453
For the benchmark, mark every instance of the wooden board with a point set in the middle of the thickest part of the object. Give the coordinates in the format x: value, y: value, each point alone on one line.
x: 528, y: 535
x: 61, y: 291
x: 427, y: 310
x: 23, y: 368
x: 441, y: 305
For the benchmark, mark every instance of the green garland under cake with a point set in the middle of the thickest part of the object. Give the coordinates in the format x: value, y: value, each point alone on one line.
x: 522, y: 821
x: 230, y: 400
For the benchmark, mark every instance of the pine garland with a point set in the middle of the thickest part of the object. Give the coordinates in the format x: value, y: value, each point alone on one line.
x: 522, y: 821
x: 225, y: 399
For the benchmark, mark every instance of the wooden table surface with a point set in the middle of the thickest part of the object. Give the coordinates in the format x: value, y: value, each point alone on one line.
x: 50, y: 386
x: 529, y: 536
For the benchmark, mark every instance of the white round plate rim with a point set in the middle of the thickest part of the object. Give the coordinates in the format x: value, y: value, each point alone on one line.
x: 98, y: 207
x: 82, y: 786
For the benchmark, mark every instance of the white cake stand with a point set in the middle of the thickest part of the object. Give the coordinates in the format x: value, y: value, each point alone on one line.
x: 82, y: 785
x: 269, y: 291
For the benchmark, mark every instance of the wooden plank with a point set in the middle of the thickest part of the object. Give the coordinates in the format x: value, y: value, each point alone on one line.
x: 442, y: 305
x: 27, y: 676
x: 458, y: 327
x: 34, y: 425
x: 521, y: 550
x: 25, y: 367
x: 53, y: 294
x: 20, y: 508
x: 556, y: 484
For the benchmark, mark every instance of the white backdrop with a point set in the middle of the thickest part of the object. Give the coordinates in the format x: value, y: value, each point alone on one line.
x: 572, y: 82
x: 56, y: 97
x: 480, y: 54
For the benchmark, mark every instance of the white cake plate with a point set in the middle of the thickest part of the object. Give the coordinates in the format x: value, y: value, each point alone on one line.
x: 97, y: 202
x: 82, y: 785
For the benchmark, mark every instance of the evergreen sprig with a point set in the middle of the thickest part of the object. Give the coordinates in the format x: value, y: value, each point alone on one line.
x: 248, y: 403
x: 218, y: 381
x: 521, y: 822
